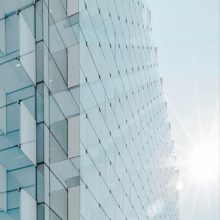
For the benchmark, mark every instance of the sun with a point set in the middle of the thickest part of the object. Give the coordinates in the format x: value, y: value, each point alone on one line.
x: 203, y: 164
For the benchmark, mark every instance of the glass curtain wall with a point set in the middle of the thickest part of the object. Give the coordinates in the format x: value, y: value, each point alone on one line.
x: 127, y: 165
x: 83, y: 122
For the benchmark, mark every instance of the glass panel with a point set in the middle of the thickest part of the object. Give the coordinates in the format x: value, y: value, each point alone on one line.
x: 2, y: 38
x: 58, y: 125
x: 74, y: 137
x: 28, y: 136
x: 12, y: 33
x: 11, y: 6
x: 2, y: 110
x: 22, y: 178
x: 28, y: 206
x: 74, y: 203
x: 73, y: 66
x: 16, y: 77
x: 58, y: 197
x: 3, y: 189
x: 72, y: 7
x: 27, y: 42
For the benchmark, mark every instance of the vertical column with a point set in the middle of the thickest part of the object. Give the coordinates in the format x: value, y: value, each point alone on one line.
x: 73, y: 122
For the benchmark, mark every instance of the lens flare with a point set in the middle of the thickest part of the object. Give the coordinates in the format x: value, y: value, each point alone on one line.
x: 203, y: 164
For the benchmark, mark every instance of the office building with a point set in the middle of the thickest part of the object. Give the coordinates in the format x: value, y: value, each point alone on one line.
x: 83, y: 122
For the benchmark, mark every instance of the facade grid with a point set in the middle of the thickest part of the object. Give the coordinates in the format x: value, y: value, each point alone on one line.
x: 83, y: 121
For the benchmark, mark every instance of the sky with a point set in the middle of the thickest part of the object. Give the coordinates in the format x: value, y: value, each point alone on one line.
x: 187, y: 35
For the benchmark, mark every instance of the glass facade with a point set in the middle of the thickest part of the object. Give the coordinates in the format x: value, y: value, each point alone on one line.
x: 83, y: 122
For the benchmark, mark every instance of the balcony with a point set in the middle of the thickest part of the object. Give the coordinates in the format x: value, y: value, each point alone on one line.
x: 17, y: 193
x: 17, y: 44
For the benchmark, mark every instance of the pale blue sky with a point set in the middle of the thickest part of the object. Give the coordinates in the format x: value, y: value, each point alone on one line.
x: 187, y: 35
